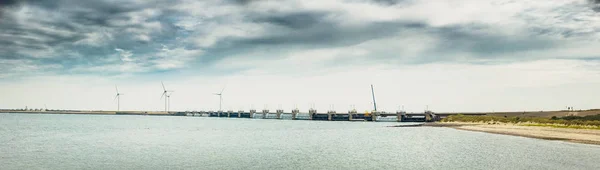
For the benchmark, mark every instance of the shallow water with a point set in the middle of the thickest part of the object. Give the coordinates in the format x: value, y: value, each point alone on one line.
x: 40, y: 141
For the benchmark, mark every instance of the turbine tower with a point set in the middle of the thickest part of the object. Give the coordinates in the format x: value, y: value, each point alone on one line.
x: 118, y: 98
x: 220, y: 97
x: 164, y: 94
x: 169, y: 101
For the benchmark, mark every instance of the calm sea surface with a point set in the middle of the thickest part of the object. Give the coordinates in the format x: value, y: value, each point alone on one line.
x: 39, y: 141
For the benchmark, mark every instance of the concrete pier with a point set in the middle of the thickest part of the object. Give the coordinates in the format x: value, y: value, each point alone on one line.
x: 264, y: 113
x: 295, y: 113
x: 311, y: 113
x: 252, y: 112
x: 351, y: 114
x: 374, y: 115
x: 428, y: 115
x: 400, y: 115
x: 223, y: 114
x: 330, y: 114
x: 279, y: 112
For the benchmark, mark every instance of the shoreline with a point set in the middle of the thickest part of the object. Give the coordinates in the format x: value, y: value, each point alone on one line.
x: 584, y: 136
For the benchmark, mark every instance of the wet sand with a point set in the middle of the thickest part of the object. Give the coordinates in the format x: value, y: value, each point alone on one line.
x: 587, y: 136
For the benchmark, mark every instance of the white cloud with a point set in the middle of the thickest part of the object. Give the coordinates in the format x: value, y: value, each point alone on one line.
x: 17, y: 68
x: 125, y: 55
x: 175, y: 58
x: 96, y: 39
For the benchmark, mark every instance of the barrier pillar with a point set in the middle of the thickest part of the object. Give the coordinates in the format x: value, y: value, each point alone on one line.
x: 265, y: 112
x: 374, y: 116
x: 279, y: 112
x: 330, y: 114
x: 252, y: 112
x: 351, y: 113
x: 311, y: 112
x: 294, y: 113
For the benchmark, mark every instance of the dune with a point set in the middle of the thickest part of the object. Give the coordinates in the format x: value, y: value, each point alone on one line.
x: 587, y: 136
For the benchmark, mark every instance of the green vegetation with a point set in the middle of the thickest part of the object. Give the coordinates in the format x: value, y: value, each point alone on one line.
x: 562, y: 126
x: 579, y: 122
x: 584, y: 118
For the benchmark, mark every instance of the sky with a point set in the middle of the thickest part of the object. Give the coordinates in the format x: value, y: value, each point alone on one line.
x: 448, y: 56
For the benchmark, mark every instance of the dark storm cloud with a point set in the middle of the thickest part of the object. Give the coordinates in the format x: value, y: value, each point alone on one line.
x: 64, y: 35
x: 464, y: 39
x: 330, y: 35
x: 242, y: 2
x: 95, y: 13
x: 75, y: 34
x: 305, y: 31
x: 388, y: 2
x: 301, y: 31
x: 595, y: 5
x: 299, y: 20
x: 8, y: 2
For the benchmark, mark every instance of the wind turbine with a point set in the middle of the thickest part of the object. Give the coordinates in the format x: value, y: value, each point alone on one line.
x: 220, y: 97
x: 118, y: 98
x: 164, y: 94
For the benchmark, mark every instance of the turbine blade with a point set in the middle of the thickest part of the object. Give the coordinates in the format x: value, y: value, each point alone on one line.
x: 161, y: 96
x: 115, y: 97
x: 222, y: 90
x: 163, y: 85
x: 117, y: 89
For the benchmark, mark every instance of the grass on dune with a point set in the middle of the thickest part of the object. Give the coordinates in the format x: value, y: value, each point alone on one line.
x: 562, y: 126
x: 575, y: 122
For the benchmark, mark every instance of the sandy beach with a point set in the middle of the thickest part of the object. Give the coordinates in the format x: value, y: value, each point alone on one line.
x: 587, y: 136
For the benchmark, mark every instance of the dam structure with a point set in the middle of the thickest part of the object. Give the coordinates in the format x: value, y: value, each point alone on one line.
x: 295, y: 114
x: 313, y: 114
